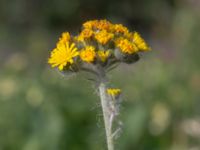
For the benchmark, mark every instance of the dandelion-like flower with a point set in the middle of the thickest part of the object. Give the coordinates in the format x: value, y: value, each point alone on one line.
x: 104, y: 25
x: 103, y: 36
x: 98, y: 25
x: 113, y: 91
x: 63, y: 55
x: 65, y: 37
x: 98, y: 48
x: 103, y: 55
x: 90, y: 24
x: 119, y: 28
x: 126, y: 46
x: 88, y: 54
x: 85, y: 34
x: 139, y: 41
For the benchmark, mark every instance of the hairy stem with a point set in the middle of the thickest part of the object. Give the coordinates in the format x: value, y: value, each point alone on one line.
x: 106, y: 115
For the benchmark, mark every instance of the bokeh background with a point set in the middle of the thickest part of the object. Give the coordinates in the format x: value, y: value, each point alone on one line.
x: 42, y: 110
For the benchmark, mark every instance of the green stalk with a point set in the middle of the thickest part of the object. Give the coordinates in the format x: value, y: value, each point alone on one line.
x: 106, y: 115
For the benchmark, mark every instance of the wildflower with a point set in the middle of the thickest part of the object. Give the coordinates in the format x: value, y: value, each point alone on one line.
x: 88, y: 54
x: 113, y: 91
x: 119, y: 28
x: 103, y: 55
x: 103, y: 36
x: 98, y: 25
x: 140, y: 43
x: 90, y: 24
x: 85, y: 34
x: 104, y: 25
x: 64, y: 38
x: 63, y: 55
x: 99, y: 47
x: 126, y: 46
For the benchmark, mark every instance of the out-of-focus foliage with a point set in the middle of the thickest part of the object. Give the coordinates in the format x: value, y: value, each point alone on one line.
x: 42, y: 110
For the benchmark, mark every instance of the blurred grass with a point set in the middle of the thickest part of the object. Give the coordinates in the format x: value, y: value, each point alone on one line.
x: 40, y: 109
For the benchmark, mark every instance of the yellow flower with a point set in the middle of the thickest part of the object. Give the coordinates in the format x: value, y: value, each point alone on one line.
x: 103, y: 55
x: 119, y: 28
x: 63, y: 55
x: 140, y: 43
x: 64, y: 38
x: 88, y: 54
x: 103, y: 36
x: 98, y: 24
x: 104, y: 25
x: 126, y: 46
x: 90, y: 24
x: 85, y: 34
x: 113, y: 91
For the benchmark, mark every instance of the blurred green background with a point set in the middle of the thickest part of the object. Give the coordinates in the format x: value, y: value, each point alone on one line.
x: 42, y: 110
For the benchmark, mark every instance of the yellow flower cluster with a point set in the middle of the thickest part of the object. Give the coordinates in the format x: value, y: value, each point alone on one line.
x: 96, y: 44
x: 113, y: 91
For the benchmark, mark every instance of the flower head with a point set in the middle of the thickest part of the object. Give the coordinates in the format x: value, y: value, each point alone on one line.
x: 103, y: 55
x: 113, y: 91
x: 104, y: 25
x: 119, y: 28
x: 103, y: 36
x: 98, y: 25
x: 85, y: 34
x: 99, y: 41
x: 64, y: 38
x: 88, y: 54
x: 126, y: 46
x: 140, y: 43
x: 90, y: 24
x: 63, y: 55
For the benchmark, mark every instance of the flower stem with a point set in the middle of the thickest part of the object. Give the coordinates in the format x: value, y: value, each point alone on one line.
x: 106, y: 115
